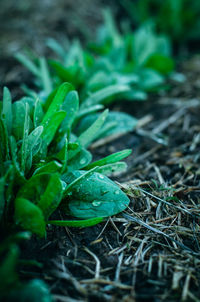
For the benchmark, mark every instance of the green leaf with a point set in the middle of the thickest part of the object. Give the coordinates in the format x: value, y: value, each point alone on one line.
x: 160, y: 63
x: 95, y: 196
x: 52, y: 196
x: 77, y: 223
x: 45, y: 76
x: 135, y: 95
x: 30, y: 101
x: 66, y: 74
x: 34, y: 140
x: 33, y: 291
x: 51, y: 126
x: 111, y: 28
x: 109, y: 169
x: 150, y: 79
x: 144, y: 44
x: 70, y: 106
x: 19, y: 112
x: 24, y: 153
x: 12, y: 179
x: 45, y: 190
x: 50, y: 167
x: 82, y: 159
x: 65, y: 157
x: 105, y: 95
x: 7, y: 109
x: 110, y: 159
x: 75, y: 179
x: 56, y: 47
x: 2, y: 199
x: 88, y: 135
x: 29, y: 216
x: 4, y: 146
x: 19, y: 179
x: 116, y: 122
x: 57, y: 102
x: 87, y: 111
x: 8, y: 275
x: 28, y: 64
x: 38, y: 113
x: 33, y: 144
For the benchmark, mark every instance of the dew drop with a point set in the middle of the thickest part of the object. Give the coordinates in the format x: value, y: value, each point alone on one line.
x: 117, y: 192
x: 101, y: 176
x: 64, y: 185
x: 82, y: 161
x: 96, y: 203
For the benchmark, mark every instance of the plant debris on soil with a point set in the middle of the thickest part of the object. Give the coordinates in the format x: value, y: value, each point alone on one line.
x: 150, y: 252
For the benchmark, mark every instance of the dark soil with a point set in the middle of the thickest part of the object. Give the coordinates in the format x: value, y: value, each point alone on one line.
x: 151, y: 252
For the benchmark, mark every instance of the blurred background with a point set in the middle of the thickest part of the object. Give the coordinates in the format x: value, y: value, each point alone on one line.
x: 28, y: 24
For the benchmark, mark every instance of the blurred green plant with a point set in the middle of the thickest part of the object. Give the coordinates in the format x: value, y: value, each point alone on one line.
x: 11, y: 287
x: 117, y: 66
x: 179, y: 19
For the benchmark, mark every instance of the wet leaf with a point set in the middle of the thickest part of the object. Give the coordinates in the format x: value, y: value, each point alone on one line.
x: 7, y: 109
x: 95, y: 196
x: 77, y: 223
x: 57, y: 101
x: 70, y: 106
x: 105, y: 95
x: 110, y: 159
x: 19, y: 112
x: 116, y: 122
x: 29, y: 216
x: 88, y: 135
x: 82, y: 159
x: 51, y: 126
x: 44, y: 190
x: 2, y: 199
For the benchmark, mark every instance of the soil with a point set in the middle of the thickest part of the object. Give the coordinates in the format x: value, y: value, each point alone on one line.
x: 151, y: 252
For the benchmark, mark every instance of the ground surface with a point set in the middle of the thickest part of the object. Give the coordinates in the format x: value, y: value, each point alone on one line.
x: 151, y: 252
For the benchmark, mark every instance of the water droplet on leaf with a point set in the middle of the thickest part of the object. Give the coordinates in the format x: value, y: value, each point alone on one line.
x: 82, y: 161
x: 96, y: 203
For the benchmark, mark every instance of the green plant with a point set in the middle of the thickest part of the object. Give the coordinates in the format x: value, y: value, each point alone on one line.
x: 44, y: 166
x: 115, y: 67
x: 92, y: 101
x: 142, y: 54
x: 178, y: 19
x: 11, y: 286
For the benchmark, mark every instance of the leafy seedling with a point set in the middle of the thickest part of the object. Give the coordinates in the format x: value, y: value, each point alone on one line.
x: 50, y: 167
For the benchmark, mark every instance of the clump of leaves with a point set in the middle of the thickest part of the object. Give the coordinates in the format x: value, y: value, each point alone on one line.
x: 139, y: 59
x: 11, y: 286
x: 93, y: 101
x: 117, y: 66
x: 43, y: 164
